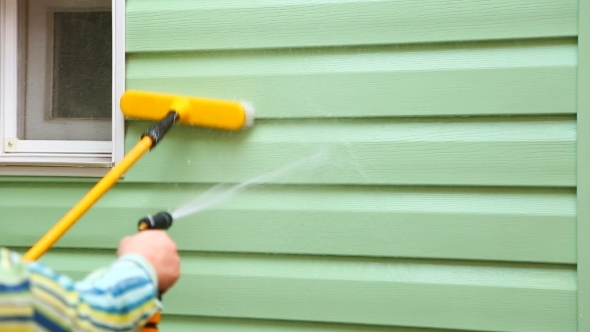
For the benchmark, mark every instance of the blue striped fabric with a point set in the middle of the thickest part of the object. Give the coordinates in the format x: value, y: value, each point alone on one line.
x: 120, y: 297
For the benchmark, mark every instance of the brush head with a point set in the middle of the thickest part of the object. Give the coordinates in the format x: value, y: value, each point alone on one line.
x: 195, y: 111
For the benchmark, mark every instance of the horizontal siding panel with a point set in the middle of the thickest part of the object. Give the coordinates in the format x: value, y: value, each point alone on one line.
x: 493, y: 152
x: 155, y: 25
x: 463, y: 79
x: 173, y: 323
x: 483, y: 224
x: 364, y: 291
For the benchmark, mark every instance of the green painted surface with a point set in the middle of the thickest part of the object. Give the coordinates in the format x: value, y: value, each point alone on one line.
x: 520, y: 77
x: 448, y: 223
x: 450, y: 199
x: 494, y: 297
x: 156, y: 25
x: 171, y: 323
x: 451, y: 151
x: 583, y: 206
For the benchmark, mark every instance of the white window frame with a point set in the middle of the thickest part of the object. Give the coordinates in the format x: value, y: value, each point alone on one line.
x: 55, y: 157
x: 39, y: 82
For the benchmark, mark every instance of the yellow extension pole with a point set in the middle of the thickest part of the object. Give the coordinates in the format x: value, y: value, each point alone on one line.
x: 167, y: 109
x: 68, y: 220
x: 151, y: 106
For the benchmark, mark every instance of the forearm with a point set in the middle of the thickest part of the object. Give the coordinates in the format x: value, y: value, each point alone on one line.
x: 118, y: 298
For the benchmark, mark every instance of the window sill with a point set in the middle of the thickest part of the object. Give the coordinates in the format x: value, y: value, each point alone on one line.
x: 55, y: 171
x: 55, y: 165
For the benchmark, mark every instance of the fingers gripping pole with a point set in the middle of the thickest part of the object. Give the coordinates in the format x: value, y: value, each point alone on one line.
x: 87, y: 201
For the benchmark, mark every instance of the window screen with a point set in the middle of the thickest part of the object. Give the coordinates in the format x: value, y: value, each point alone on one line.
x: 68, y: 77
x: 82, y: 65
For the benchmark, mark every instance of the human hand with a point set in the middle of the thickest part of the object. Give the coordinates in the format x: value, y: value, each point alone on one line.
x: 158, y: 249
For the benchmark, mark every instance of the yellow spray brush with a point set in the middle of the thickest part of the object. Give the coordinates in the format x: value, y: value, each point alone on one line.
x: 213, y: 113
x: 167, y: 109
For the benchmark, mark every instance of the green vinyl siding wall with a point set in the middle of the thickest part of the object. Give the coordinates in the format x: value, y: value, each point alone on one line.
x: 583, y: 158
x: 450, y: 199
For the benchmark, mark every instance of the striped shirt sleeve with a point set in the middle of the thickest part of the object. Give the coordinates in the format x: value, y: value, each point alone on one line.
x: 120, y: 297
x: 16, y: 305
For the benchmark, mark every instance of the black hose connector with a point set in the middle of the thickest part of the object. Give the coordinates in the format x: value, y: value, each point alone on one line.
x: 161, y: 220
x: 158, y: 130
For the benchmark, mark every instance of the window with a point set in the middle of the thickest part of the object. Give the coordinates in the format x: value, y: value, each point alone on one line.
x: 61, y: 78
